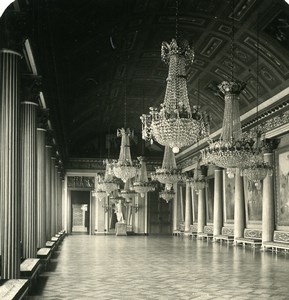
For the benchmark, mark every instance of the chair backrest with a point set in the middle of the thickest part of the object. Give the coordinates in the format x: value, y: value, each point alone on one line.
x: 228, y: 231
x: 208, y: 229
x: 281, y: 236
x: 253, y: 234
x: 194, y: 228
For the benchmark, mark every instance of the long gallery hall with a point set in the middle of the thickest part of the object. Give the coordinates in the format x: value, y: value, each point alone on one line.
x: 144, y: 149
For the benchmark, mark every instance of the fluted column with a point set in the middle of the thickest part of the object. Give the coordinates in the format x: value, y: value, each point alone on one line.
x: 218, y: 201
x: 41, y: 189
x: 28, y: 179
x: 175, y: 209
x: 52, y: 217
x: 201, y: 210
x: 188, y: 212
x: 9, y: 165
x: 59, y: 209
x: 48, y: 150
x: 239, y: 211
x: 268, y: 215
x: 193, y: 197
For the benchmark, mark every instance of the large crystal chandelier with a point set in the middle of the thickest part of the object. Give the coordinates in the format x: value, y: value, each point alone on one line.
x: 124, y: 168
x: 175, y: 124
x: 231, y: 150
x: 142, y: 184
x: 168, y: 174
x: 108, y: 184
x: 198, y: 182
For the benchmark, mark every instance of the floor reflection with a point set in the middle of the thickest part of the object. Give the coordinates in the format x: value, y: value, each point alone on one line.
x: 109, y: 267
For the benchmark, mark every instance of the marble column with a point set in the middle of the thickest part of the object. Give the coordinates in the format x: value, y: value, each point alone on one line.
x: 218, y: 201
x: 181, y: 202
x: 175, y: 209
x: 193, y: 197
x: 9, y: 165
x: 69, y: 212
x: 201, y: 210
x: 268, y: 216
x: 28, y: 179
x: 52, y: 199
x: 41, y: 188
x: 136, y: 213
x: 48, y: 150
x: 188, y: 212
x: 146, y: 214
x: 239, y: 211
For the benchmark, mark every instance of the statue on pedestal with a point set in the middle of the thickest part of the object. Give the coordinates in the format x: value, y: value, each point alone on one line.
x: 118, y: 211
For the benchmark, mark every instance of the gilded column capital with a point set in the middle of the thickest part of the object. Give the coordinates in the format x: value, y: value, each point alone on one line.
x: 42, y: 118
x: 13, y: 30
x: 204, y: 170
x: 269, y: 145
x: 31, y: 86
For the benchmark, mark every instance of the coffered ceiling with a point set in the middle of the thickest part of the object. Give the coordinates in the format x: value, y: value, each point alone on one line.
x: 96, y: 55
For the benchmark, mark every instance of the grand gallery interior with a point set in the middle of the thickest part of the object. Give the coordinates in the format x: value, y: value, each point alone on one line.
x: 144, y: 149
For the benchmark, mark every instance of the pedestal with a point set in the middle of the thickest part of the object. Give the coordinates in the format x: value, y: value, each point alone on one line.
x: 120, y: 229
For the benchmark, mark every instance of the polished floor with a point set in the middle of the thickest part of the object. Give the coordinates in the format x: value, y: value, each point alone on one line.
x: 137, y: 267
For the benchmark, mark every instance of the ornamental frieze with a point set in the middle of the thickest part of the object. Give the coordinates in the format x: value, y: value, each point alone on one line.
x: 80, y: 182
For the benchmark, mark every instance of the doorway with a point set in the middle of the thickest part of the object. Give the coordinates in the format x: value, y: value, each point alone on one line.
x: 159, y: 215
x: 80, y: 212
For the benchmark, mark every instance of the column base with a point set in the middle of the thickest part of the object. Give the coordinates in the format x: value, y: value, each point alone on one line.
x: 187, y: 234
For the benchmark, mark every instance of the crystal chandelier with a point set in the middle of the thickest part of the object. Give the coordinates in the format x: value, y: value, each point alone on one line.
x: 128, y: 191
x: 231, y: 150
x: 198, y: 182
x: 167, y: 195
x: 142, y: 184
x: 168, y: 174
x: 257, y: 172
x: 99, y: 194
x: 108, y: 184
x: 175, y: 124
x: 124, y: 168
x: 256, y: 169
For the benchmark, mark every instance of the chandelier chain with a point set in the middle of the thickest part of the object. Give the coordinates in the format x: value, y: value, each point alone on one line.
x: 177, y: 19
x: 257, y: 69
x: 232, y: 40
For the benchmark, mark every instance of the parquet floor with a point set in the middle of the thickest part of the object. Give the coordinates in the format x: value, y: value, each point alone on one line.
x: 137, y: 267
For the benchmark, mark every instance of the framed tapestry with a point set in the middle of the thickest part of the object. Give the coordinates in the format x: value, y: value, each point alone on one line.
x: 282, y: 186
x: 253, y: 199
x: 210, y: 200
x: 229, y: 195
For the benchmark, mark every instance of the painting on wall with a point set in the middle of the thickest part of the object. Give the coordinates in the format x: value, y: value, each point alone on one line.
x: 210, y: 199
x: 282, y: 186
x: 253, y: 199
x: 229, y: 194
